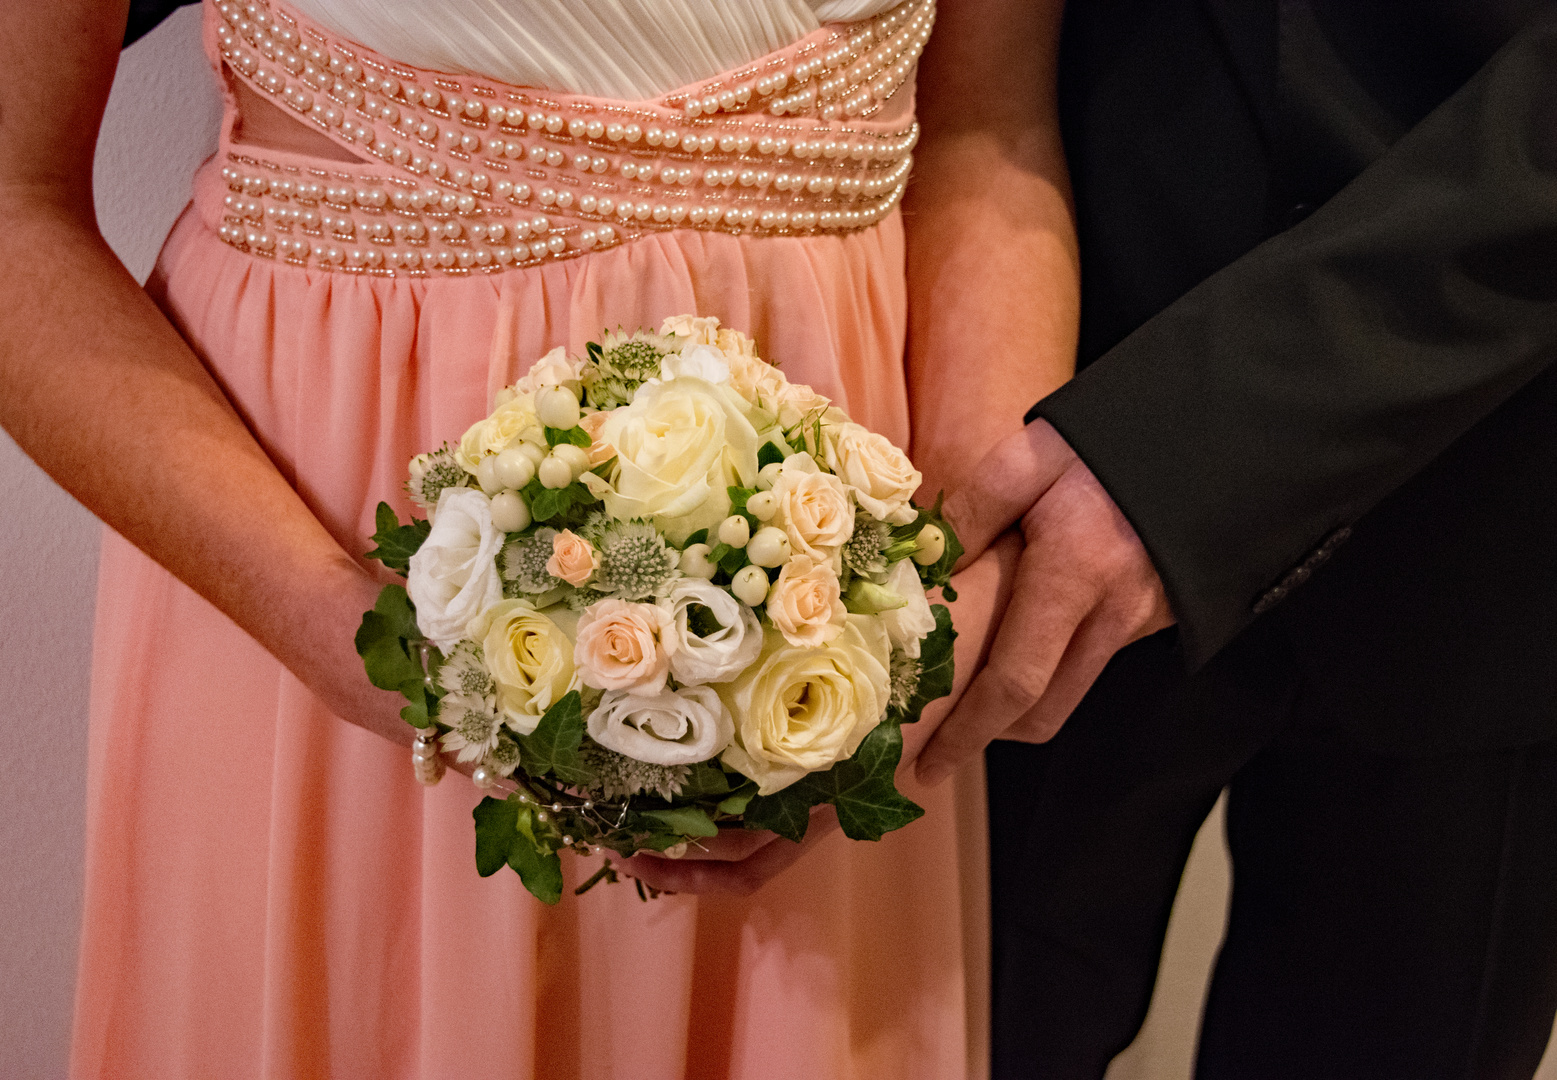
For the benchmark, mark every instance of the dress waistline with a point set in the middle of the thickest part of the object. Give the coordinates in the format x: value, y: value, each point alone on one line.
x: 466, y: 175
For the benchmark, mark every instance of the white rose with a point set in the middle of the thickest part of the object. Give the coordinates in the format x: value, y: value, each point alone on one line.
x: 528, y: 655
x: 805, y: 602
x: 714, y: 655
x: 880, y: 475
x: 512, y: 422
x: 556, y: 368
x: 680, y: 446
x: 671, y: 727
x: 453, y: 576
x: 814, y: 509
x: 699, y: 362
x: 799, y: 710
x: 907, y: 625
x: 702, y: 330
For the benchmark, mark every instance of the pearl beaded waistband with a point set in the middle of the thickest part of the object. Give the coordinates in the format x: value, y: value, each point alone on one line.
x: 475, y: 176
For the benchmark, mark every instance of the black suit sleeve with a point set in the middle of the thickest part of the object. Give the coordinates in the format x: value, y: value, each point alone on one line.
x: 1287, y: 394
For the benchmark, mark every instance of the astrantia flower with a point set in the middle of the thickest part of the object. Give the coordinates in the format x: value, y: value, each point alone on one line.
x: 431, y: 473
x: 474, y: 725
x: 635, y: 561
x: 524, y: 563
x: 618, y: 776
x: 903, y: 673
x: 627, y: 361
x: 504, y: 757
x: 464, y: 671
x: 863, y: 551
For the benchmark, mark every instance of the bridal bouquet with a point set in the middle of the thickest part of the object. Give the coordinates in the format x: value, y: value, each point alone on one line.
x: 660, y: 591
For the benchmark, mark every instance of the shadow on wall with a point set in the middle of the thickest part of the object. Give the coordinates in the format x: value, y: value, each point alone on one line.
x: 161, y: 123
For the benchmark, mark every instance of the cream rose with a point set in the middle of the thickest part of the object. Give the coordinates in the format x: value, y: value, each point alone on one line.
x: 703, y: 330
x: 511, y: 423
x: 670, y: 727
x: 813, y: 509
x: 528, y: 656
x: 453, y: 575
x: 907, y: 625
x: 680, y: 445
x: 801, y: 709
x: 806, y: 604
x: 556, y: 368
x: 717, y: 636
x: 573, y: 559
x: 880, y: 475
x: 623, y: 645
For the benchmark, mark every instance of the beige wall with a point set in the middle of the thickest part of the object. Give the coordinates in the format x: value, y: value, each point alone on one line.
x: 161, y: 122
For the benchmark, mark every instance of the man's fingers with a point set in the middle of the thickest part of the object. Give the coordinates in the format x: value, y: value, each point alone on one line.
x: 1006, y: 483
x: 1033, y: 637
x: 1096, y: 641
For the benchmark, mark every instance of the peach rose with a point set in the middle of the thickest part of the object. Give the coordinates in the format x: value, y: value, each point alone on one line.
x: 814, y: 509
x: 600, y: 451
x: 880, y: 475
x: 805, y: 602
x: 573, y: 559
x: 624, y: 646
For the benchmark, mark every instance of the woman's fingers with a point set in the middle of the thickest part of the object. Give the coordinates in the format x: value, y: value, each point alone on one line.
x: 741, y: 877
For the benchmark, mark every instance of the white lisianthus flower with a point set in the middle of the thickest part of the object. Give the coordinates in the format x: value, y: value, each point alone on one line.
x: 669, y: 727
x: 880, y: 475
x: 622, y: 645
x: 806, y: 603
x: 813, y: 509
x: 556, y: 368
x: 680, y: 445
x: 529, y: 657
x: 717, y: 636
x: 703, y: 330
x: 696, y: 361
x: 512, y: 422
x: 453, y: 576
x: 907, y: 625
x: 800, y: 709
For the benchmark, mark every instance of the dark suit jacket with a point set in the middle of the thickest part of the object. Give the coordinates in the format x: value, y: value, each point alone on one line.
x: 1319, y: 293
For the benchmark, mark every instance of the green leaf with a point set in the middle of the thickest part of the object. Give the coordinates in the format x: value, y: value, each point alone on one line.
x: 770, y: 453
x: 861, y: 788
x: 397, y: 542
x: 686, y: 820
x: 550, y: 503
x: 699, y: 537
x: 575, y: 435
x: 496, y: 833
x: 738, y: 801
x: 417, y: 713
x: 705, y: 780
x: 935, y: 664
x: 537, y: 866
x: 733, y: 560
x: 388, y: 643
x: 553, y: 746
x: 720, y: 550
x: 660, y: 841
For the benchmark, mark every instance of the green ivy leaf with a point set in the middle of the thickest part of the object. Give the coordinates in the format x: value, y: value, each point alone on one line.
x: 737, y: 802
x: 553, y: 746
x: 397, y: 542
x: 935, y: 664
x: 496, y: 833
x: 537, y: 865
x: 862, y: 789
x: 770, y: 453
x: 659, y: 841
x: 705, y: 780
x: 686, y: 820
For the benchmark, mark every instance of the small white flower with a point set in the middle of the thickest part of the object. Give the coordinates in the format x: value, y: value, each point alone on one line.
x: 453, y: 577
x: 556, y: 368
x: 670, y: 727
x: 717, y: 636
x: 908, y: 625
x: 474, y: 725
x: 699, y: 362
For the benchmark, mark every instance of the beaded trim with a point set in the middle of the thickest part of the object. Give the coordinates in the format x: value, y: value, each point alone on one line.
x: 479, y: 176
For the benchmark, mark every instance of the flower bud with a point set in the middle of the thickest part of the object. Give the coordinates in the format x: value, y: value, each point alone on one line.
x: 762, y: 505
x: 932, y: 545
x: 770, y: 547
x: 557, y: 407
x: 514, y: 468
x: 750, y: 585
x: 509, y: 513
x: 576, y: 457
x: 694, y: 562
x: 768, y: 475
x: 555, y: 472
x: 486, y: 475
x: 867, y: 598
x: 735, y: 531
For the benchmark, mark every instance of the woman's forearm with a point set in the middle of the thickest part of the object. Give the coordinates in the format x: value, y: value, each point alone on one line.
x: 992, y: 264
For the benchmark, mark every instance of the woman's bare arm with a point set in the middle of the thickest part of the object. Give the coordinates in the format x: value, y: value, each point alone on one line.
x: 100, y: 390
x: 992, y: 264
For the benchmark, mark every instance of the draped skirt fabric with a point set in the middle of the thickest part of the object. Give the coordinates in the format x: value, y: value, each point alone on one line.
x: 270, y: 893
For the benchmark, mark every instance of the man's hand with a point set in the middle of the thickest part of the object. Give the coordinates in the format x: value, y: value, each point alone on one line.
x: 1084, y: 589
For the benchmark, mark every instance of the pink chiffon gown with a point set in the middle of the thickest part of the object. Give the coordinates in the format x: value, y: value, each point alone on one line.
x: 269, y: 891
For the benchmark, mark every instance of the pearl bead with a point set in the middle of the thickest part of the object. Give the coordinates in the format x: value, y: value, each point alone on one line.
x: 483, y: 777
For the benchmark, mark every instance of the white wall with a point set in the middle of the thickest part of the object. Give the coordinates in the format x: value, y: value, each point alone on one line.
x: 161, y: 123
